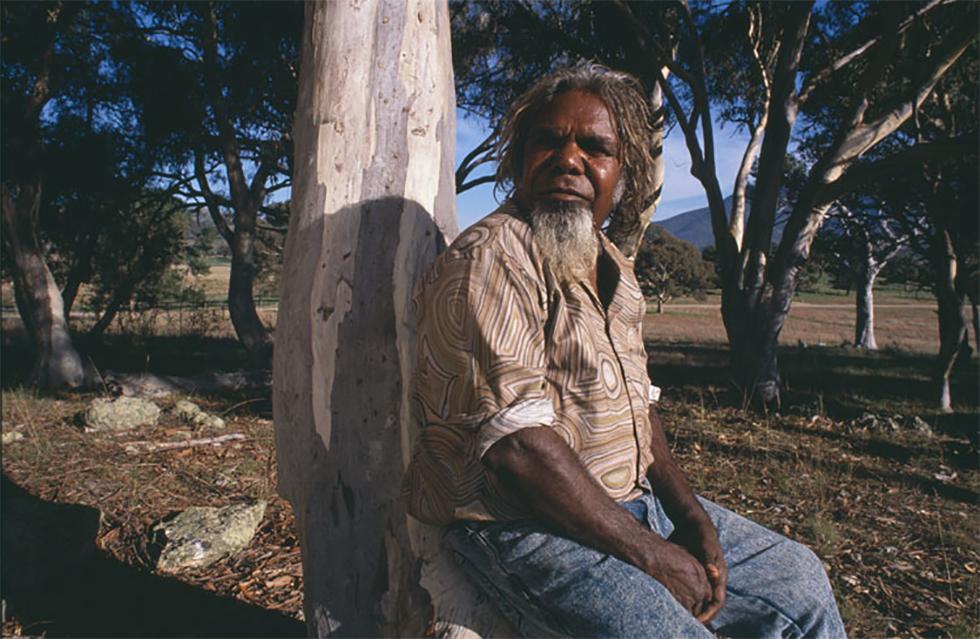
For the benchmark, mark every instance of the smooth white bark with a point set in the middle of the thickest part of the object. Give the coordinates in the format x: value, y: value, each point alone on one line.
x: 373, y: 203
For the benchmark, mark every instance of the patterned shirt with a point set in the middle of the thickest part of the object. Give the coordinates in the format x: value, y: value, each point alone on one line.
x: 503, y: 346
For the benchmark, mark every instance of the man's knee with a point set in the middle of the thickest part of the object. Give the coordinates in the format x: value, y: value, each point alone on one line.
x: 806, y: 561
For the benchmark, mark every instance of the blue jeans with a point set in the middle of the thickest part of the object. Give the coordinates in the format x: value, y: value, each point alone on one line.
x: 548, y: 585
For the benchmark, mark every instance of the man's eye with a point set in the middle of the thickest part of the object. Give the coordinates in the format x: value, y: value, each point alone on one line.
x: 545, y: 139
x: 598, y: 147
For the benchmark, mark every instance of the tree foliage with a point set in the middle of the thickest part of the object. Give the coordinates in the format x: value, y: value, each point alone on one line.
x: 667, y: 267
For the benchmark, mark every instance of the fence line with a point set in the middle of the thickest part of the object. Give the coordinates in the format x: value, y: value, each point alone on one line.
x: 264, y: 303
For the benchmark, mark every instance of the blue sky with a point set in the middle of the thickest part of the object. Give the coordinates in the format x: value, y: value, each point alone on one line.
x: 681, y: 191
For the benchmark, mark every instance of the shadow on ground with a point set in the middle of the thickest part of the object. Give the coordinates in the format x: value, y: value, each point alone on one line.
x: 846, y: 381
x: 57, y: 583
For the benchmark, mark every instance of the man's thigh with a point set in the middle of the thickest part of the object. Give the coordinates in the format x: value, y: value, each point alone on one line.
x: 551, y: 585
x: 776, y: 586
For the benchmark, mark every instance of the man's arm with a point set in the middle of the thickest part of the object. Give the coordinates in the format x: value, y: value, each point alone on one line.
x: 538, y: 465
x: 692, y: 526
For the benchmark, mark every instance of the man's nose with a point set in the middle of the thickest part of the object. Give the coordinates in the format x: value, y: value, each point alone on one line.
x: 568, y: 157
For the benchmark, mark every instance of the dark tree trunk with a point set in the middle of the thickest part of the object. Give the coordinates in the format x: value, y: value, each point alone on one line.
x: 122, y: 294
x: 241, y: 301
x: 79, y: 273
x: 952, y: 316
x: 976, y: 325
x: 56, y: 362
x: 754, y: 353
x: 246, y: 199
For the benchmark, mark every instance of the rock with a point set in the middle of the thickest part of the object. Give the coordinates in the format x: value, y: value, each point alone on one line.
x: 186, y: 411
x: 200, y: 536
x: 11, y: 437
x: 919, y: 425
x: 121, y: 413
x: 893, y: 423
x: 871, y: 421
x: 193, y: 414
x: 206, y: 420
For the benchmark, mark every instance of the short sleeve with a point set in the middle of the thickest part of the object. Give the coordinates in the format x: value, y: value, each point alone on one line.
x: 482, y: 359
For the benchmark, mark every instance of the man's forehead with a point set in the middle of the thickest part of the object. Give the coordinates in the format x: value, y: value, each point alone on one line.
x: 589, y: 110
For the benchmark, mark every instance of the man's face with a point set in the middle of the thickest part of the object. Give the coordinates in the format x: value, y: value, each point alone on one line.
x: 571, y: 155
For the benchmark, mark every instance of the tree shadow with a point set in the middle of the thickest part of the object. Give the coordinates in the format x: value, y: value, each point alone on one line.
x: 922, y: 482
x: 961, y: 453
x: 846, y: 379
x: 56, y: 582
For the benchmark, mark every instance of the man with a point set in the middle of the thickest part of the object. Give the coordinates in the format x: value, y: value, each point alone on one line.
x: 539, y: 447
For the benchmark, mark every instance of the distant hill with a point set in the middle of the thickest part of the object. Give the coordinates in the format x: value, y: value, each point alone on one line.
x: 695, y: 226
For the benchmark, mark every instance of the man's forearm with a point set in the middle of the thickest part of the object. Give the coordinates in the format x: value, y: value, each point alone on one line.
x: 668, y: 481
x: 538, y: 466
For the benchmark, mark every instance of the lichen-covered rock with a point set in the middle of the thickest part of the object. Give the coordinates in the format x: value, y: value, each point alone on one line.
x: 121, y: 413
x: 193, y: 414
x: 200, y: 536
x: 186, y: 411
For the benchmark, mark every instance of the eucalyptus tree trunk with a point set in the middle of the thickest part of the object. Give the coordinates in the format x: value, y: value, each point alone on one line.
x: 864, y: 312
x: 952, y: 316
x: 372, y: 205
x: 56, y: 362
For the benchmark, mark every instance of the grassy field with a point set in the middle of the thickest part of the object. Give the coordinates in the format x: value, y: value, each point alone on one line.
x: 900, y: 323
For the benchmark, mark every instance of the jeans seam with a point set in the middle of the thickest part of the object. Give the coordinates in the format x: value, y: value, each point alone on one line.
x: 524, y: 591
x: 771, y: 605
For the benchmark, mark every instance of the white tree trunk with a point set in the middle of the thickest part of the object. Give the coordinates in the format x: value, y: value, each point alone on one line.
x: 56, y: 362
x: 372, y: 205
x: 864, y: 309
x: 864, y: 319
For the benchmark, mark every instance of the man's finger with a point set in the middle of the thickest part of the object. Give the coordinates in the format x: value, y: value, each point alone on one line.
x: 709, y: 613
x: 717, y: 582
x: 717, y: 593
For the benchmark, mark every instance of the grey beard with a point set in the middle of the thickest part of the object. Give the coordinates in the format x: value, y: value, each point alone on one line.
x: 566, y: 239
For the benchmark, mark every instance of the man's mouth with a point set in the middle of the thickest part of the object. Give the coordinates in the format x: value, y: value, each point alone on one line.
x: 564, y: 194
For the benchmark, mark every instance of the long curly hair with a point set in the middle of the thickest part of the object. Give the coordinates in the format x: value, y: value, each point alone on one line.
x: 623, y: 96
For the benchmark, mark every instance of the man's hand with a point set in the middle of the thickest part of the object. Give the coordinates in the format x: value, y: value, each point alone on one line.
x: 680, y: 572
x: 700, y: 538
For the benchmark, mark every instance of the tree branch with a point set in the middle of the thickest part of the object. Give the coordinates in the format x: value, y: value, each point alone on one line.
x: 210, y: 199
x: 475, y: 182
x: 864, y: 137
x: 843, y: 61
x: 896, y: 164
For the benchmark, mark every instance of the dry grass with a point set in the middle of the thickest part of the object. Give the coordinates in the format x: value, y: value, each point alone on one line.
x: 900, y: 323
x: 894, y: 516
x: 58, y: 462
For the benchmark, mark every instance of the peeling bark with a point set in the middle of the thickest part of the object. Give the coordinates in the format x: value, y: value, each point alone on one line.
x: 372, y: 205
